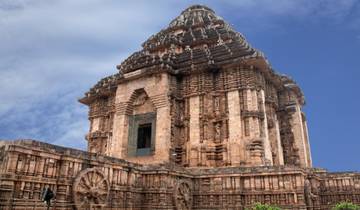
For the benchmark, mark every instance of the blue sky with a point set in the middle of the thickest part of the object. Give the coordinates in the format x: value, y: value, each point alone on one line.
x: 51, y: 52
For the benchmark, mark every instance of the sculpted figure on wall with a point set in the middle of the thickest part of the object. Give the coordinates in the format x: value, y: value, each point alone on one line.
x: 311, y: 191
x: 217, y: 132
x: 183, y: 195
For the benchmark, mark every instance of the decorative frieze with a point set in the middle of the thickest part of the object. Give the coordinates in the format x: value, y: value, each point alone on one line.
x: 114, y: 183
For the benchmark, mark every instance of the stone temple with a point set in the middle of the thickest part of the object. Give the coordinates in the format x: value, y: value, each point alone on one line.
x: 197, y: 119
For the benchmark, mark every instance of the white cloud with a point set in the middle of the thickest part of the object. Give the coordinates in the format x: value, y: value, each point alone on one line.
x: 52, y: 52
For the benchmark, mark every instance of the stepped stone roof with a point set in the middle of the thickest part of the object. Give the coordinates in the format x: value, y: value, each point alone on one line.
x: 197, y: 36
x: 106, y: 86
x: 197, y: 39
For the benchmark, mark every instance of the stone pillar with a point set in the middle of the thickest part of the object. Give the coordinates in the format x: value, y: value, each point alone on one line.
x: 12, y: 162
x: 280, y: 153
x: 254, y: 144
x: 249, y: 107
x: 299, y: 137
x: 109, y: 145
x: 266, y: 141
x: 120, y: 136
x: 162, y: 138
x: 236, y: 143
x: 194, y: 131
x: 253, y: 106
x: 274, y: 135
x: 307, y: 143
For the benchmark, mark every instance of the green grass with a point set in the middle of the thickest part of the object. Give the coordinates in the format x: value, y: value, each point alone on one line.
x: 346, y: 206
x: 259, y: 206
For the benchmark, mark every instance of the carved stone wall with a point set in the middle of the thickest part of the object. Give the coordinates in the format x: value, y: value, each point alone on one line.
x: 101, y: 116
x: 229, y: 116
x: 85, y: 180
x: 235, y: 116
x: 217, y: 100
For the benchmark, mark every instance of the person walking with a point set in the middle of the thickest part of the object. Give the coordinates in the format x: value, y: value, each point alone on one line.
x: 47, y: 195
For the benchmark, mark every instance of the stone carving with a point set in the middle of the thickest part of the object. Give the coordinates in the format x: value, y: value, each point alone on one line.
x: 90, y: 189
x: 140, y: 99
x: 217, y: 132
x: 217, y: 106
x: 181, y: 112
x: 138, y: 186
x: 310, y: 194
x: 183, y: 195
x: 291, y: 154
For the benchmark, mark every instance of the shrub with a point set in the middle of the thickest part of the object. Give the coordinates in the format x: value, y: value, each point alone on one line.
x: 259, y: 206
x: 346, y: 206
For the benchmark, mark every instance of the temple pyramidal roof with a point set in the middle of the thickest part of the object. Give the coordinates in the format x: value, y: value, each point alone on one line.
x: 197, y: 39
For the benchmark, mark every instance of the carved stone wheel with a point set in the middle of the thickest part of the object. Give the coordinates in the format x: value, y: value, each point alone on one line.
x: 183, y: 195
x: 90, y: 189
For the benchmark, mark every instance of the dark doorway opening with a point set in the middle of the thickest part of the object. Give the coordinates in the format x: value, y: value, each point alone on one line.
x: 142, y: 130
x: 144, y: 136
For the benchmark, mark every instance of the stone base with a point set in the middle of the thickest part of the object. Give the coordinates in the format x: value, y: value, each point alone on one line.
x: 90, y: 181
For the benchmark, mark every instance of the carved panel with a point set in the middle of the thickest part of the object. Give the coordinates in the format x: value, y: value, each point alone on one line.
x: 291, y: 155
x: 101, y: 117
x: 90, y: 189
x: 183, y: 195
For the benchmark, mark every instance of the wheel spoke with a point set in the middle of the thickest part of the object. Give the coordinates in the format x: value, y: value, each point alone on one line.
x: 89, y: 177
x: 93, y: 177
x: 102, y: 192
x: 84, y: 183
x: 97, y: 177
x: 81, y: 191
x: 90, y: 183
x: 98, y: 183
x: 83, y: 202
x: 101, y: 199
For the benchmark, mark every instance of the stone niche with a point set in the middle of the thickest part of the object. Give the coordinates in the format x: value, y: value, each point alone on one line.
x: 142, y: 120
x: 142, y: 126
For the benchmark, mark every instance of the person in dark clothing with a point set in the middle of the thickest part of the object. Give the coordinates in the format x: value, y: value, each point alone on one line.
x: 47, y: 195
